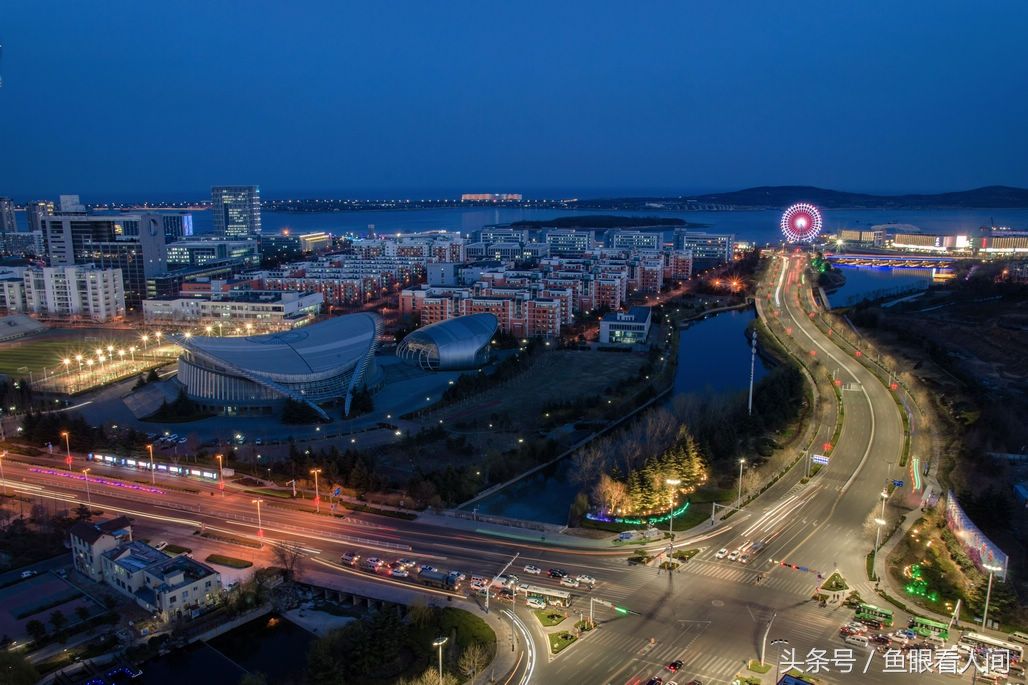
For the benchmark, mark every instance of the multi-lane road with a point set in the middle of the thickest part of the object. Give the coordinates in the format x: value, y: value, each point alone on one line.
x: 711, y: 614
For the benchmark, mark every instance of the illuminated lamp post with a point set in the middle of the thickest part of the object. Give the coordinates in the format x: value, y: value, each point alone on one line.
x: 221, y: 474
x: 89, y: 500
x: 3, y: 478
x: 67, y: 447
x: 260, y: 528
x: 988, y: 591
x: 439, y: 642
x: 742, y: 462
x: 672, y: 483
x: 153, y: 475
x: 317, y: 495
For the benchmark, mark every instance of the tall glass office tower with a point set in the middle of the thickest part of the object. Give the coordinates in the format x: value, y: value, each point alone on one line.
x: 237, y: 211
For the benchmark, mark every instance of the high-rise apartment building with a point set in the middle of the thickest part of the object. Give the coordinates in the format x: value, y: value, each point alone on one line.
x: 85, y: 292
x: 7, y: 224
x: 236, y: 211
x: 133, y: 243
x: 35, y: 211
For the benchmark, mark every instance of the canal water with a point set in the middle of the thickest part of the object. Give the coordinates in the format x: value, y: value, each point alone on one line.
x: 270, y: 645
x: 874, y: 282
x: 713, y: 357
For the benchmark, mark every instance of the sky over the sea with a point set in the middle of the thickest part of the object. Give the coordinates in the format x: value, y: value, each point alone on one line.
x: 361, y: 99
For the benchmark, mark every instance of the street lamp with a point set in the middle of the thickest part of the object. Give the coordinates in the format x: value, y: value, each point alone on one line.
x: 221, y: 474
x: 153, y: 475
x: 85, y: 472
x: 778, y: 667
x: 317, y: 495
x: 260, y: 528
x: 3, y: 478
x: 439, y: 642
x: 880, y: 521
x: 67, y: 447
x: 988, y: 591
x: 672, y: 483
x: 741, y: 463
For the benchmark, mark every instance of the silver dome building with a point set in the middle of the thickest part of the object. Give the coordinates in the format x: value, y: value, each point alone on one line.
x: 451, y: 345
x: 254, y: 375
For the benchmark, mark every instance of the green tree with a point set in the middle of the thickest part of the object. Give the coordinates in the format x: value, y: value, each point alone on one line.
x: 58, y: 620
x: 36, y: 629
x: 82, y: 613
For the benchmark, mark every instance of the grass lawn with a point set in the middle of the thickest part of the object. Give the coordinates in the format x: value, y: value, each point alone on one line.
x: 177, y: 549
x: 835, y: 583
x: 231, y: 562
x: 281, y: 494
x: 548, y: 617
x: 758, y: 667
x: 560, y: 641
x: 685, y: 554
x: 19, y: 359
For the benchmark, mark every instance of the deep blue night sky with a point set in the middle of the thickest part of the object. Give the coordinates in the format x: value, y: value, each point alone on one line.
x: 421, y: 98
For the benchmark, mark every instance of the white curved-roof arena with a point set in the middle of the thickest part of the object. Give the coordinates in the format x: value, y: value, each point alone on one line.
x: 314, y: 364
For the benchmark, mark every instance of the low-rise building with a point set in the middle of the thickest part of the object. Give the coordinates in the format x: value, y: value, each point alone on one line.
x: 263, y: 310
x: 90, y: 540
x: 628, y: 328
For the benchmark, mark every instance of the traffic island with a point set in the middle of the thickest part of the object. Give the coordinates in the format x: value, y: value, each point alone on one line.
x: 560, y: 641
x: 758, y: 667
x: 834, y: 588
x: 548, y: 617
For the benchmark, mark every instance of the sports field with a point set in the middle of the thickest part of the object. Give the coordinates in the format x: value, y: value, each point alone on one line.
x: 18, y: 359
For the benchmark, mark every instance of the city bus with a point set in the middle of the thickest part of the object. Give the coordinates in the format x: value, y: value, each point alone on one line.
x: 871, y: 612
x: 977, y: 641
x: 558, y: 597
x: 1019, y: 637
x: 928, y: 628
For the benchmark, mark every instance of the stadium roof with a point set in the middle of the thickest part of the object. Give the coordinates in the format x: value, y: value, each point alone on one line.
x: 320, y: 349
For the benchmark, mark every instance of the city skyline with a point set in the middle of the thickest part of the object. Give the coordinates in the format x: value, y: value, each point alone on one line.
x: 368, y: 100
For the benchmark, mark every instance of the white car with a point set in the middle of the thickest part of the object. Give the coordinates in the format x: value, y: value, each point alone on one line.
x: 734, y: 555
x: 533, y: 570
x: 535, y: 603
x: 399, y: 573
x: 721, y: 553
x: 160, y: 545
x: 568, y: 581
x: 586, y: 579
x: 523, y: 588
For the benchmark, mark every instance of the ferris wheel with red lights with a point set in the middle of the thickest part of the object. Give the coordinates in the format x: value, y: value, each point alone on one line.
x: 801, y: 223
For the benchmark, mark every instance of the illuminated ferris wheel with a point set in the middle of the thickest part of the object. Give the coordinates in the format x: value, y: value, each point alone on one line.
x: 801, y: 223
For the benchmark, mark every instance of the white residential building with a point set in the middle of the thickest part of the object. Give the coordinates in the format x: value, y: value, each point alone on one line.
x: 72, y: 292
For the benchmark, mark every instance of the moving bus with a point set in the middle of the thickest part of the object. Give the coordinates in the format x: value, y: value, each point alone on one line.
x: 928, y: 628
x: 558, y: 597
x: 871, y: 612
x: 977, y: 641
x: 1019, y: 637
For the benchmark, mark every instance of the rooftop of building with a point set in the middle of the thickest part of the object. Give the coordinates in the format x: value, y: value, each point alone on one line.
x: 179, y: 571
x: 633, y: 315
x: 323, y: 347
x: 135, y: 556
x: 92, y: 531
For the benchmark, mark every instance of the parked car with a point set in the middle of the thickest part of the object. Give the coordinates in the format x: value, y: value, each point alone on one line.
x: 674, y: 665
x: 29, y: 574
x: 160, y: 545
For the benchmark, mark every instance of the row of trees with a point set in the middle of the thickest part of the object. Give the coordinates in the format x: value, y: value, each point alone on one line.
x: 645, y: 490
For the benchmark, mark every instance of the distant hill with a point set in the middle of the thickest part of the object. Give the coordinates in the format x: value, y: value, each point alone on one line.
x: 782, y: 196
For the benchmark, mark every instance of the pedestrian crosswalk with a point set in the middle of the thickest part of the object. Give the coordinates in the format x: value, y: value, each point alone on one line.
x: 780, y: 580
